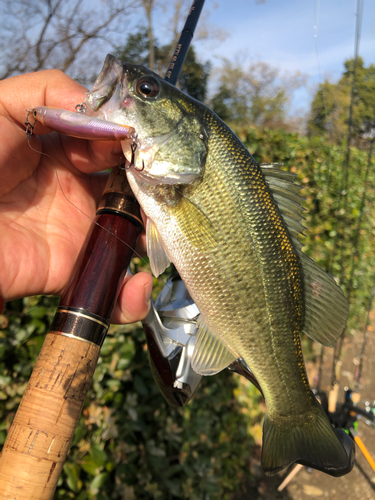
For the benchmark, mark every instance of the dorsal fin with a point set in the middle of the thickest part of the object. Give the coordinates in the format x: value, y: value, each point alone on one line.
x: 326, y: 308
x: 287, y: 197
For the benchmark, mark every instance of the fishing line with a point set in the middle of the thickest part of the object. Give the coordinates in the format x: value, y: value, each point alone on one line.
x: 316, y: 22
x: 29, y: 133
x: 355, y: 254
x: 323, y: 89
x: 358, y: 371
x: 343, y: 192
x: 325, y: 107
x: 345, y: 179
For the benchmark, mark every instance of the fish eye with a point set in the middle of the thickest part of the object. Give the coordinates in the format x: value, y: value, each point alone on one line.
x: 148, y: 87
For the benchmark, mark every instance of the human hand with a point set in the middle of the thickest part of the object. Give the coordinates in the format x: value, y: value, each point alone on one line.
x: 41, y: 233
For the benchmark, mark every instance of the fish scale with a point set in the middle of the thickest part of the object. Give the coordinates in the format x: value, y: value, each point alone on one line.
x: 231, y: 229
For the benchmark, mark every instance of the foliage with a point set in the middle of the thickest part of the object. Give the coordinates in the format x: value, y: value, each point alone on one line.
x: 257, y: 95
x: 129, y: 444
x: 330, y: 106
x: 23, y: 326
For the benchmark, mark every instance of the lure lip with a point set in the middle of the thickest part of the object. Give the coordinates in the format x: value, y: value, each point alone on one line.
x: 77, y: 124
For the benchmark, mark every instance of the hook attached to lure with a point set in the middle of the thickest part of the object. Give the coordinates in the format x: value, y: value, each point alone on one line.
x: 133, y: 147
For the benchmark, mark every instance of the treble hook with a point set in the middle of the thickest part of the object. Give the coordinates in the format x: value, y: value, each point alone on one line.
x: 29, y: 126
x: 133, y: 147
x: 81, y: 108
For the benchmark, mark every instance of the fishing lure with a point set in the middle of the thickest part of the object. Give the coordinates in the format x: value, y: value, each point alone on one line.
x: 78, y: 124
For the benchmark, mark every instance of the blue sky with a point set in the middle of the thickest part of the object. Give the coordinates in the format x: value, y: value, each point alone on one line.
x: 282, y: 33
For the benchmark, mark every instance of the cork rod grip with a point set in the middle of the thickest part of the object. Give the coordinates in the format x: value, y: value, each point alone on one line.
x: 39, y: 440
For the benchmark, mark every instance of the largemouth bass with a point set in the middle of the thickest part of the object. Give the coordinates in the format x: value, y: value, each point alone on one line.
x: 230, y: 226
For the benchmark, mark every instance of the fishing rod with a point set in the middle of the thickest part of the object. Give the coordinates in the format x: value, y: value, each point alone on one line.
x: 40, y: 436
x: 343, y: 192
x: 183, y: 44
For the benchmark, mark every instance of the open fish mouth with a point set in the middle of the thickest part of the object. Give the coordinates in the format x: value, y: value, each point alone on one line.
x: 125, y: 94
x: 111, y: 91
x: 106, y: 84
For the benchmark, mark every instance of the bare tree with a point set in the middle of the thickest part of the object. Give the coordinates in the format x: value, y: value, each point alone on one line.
x: 205, y: 30
x: 175, y: 13
x: 255, y: 93
x: 72, y: 35
x: 149, y: 6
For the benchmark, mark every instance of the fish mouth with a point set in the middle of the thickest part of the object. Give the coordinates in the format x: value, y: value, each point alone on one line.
x: 105, y: 85
x: 112, y: 84
x: 110, y: 96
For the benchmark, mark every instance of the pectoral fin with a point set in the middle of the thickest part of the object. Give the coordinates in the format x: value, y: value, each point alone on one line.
x: 210, y: 354
x: 159, y: 260
x: 195, y: 225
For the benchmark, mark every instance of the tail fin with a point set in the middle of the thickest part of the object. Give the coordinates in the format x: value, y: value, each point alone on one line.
x: 309, y: 440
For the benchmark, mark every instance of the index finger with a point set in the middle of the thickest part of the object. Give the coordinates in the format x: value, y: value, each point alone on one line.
x: 47, y: 88
x: 18, y: 93
x: 43, y: 88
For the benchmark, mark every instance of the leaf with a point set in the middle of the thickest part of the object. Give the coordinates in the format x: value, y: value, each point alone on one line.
x: 140, y: 386
x: 98, y: 482
x: 90, y: 466
x: 4, y: 380
x: 72, y: 473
